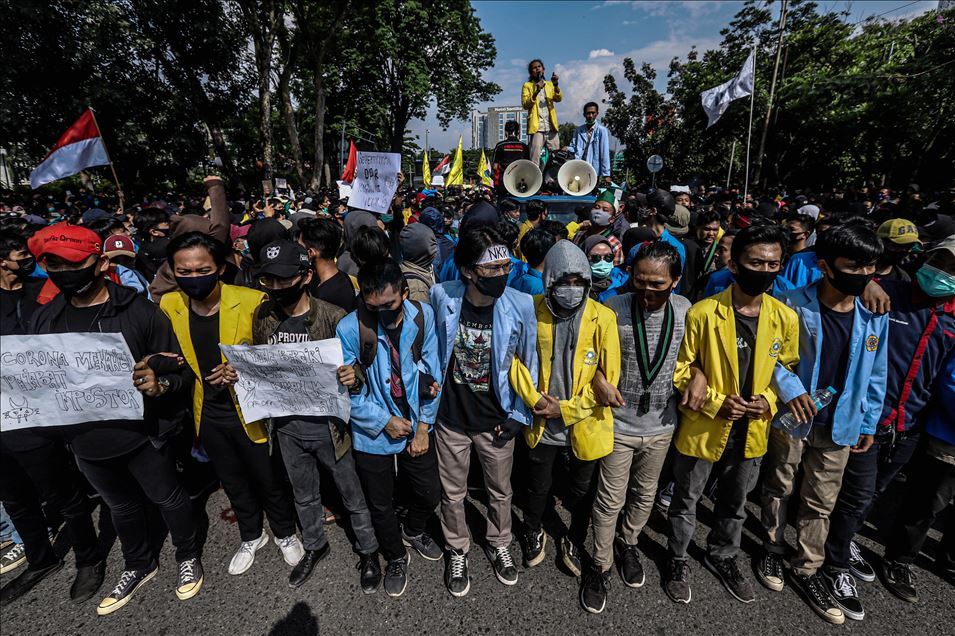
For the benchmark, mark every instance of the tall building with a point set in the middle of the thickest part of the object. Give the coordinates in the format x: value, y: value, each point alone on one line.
x: 488, y: 128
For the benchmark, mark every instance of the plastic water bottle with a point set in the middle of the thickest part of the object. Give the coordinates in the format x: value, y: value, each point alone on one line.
x: 821, y: 397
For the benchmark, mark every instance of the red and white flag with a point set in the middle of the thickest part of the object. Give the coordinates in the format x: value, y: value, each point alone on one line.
x: 444, y: 166
x: 80, y: 147
x: 348, y: 173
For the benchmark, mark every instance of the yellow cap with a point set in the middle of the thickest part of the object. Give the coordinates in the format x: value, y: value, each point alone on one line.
x: 899, y: 231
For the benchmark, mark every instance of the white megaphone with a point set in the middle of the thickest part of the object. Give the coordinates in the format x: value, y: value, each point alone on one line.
x: 577, y: 178
x: 523, y: 178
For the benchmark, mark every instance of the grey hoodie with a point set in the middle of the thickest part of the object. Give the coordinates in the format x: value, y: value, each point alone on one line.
x: 563, y: 259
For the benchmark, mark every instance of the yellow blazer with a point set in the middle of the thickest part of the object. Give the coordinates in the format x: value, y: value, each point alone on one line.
x: 236, y: 311
x: 529, y: 102
x: 598, y: 347
x: 710, y: 341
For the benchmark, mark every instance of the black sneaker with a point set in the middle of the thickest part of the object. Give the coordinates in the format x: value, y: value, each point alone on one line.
x: 814, y: 590
x: 842, y: 588
x: 732, y: 579
x: 676, y: 581
x: 503, y: 563
x: 423, y: 545
x: 129, y: 582
x: 770, y: 572
x: 631, y: 570
x: 191, y: 579
x: 369, y: 572
x: 396, y: 575
x: 26, y: 581
x: 456, y: 575
x: 534, y: 543
x: 88, y: 580
x: 306, y: 565
x: 593, y: 590
x: 858, y: 566
x: 569, y: 555
x: 900, y: 580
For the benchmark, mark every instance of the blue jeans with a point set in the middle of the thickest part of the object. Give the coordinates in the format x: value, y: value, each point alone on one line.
x: 7, y: 530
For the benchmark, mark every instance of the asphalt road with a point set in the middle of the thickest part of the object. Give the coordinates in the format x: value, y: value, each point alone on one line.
x: 543, y: 601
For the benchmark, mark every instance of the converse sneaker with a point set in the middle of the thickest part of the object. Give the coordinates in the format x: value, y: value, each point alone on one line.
x: 858, y: 566
x: 244, y: 557
x: 593, y: 590
x: 503, y: 563
x: 396, y: 575
x: 727, y: 571
x: 456, y: 575
x: 770, y: 573
x: 534, y: 543
x: 813, y: 589
x: 842, y: 588
x: 13, y: 557
x: 900, y: 580
x: 631, y: 570
x: 292, y: 549
x: 676, y: 581
x: 569, y: 556
x: 423, y: 545
x: 129, y: 582
x: 190, y: 579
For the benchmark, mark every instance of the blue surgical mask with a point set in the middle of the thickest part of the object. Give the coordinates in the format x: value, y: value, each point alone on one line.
x: 934, y: 282
x: 601, y: 269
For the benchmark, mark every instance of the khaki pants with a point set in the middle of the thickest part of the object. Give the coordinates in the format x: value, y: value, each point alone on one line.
x: 454, y: 462
x: 537, y: 142
x: 823, y: 465
x: 633, y: 466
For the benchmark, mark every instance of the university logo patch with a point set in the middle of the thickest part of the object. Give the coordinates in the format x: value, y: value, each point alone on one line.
x: 775, y: 347
x: 871, y: 343
x: 590, y: 358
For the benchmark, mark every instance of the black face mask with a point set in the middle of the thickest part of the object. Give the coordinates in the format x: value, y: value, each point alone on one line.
x: 74, y: 281
x: 25, y: 267
x: 848, y: 284
x: 388, y: 317
x: 752, y: 282
x: 492, y: 286
x: 288, y: 296
x: 198, y: 287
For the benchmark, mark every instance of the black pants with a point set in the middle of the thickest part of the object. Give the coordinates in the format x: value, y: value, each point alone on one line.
x: 377, y: 474
x: 581, y: 488
x: 252, y: 478
x: 122, y: 481
x: 47, y: 474
x: 929, y: 490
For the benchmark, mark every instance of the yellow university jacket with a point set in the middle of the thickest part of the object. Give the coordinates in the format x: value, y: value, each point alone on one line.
x: 598, y: 347
x: 529, y: 102
x: 710, y: 340
x: 235, y: 327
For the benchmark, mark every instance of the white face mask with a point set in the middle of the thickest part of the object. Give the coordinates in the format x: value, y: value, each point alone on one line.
x: 568, y: 296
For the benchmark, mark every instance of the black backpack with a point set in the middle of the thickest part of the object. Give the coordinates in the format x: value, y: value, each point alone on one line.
x: 368, y: 334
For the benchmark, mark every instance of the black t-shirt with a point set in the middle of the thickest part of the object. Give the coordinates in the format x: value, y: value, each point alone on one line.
x: 896, y: 273
x: 217, y: 406
x: 505, y: 153
x: 292, y: 329
x: 745, y: 345
x: 11, y: 313
x: 337, y: 290
x: 836, y: 333
x: 468, y: 399
x: 82, y: 319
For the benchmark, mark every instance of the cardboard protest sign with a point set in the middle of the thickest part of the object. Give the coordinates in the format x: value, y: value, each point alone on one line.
x: 67, y: 378
x: 376, y: 181
x: 289, y: 379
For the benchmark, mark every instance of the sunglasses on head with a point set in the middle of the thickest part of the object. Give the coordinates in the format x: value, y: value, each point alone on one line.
x: 596, y: 258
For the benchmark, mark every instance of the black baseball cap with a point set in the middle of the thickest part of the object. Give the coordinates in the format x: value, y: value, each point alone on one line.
x: 283, y: 259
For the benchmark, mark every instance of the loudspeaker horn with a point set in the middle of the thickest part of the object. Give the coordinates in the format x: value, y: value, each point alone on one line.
x: 577, y: 178
x: 522, y: 178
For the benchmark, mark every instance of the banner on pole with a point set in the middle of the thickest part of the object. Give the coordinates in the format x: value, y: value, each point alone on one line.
x: 66, y: 378
x: 376, y: 181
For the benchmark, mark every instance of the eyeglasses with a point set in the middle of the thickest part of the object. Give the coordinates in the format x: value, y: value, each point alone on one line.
x: 494, y: 270
x: 596, y: 258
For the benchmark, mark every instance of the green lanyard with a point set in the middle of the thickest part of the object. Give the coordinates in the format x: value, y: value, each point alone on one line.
x: 710, y: 253
x: 650, y: 368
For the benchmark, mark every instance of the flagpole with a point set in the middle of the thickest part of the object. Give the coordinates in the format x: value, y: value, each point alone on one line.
x: 729, y: 171
x: 119, y: 188
x: 749, y: 135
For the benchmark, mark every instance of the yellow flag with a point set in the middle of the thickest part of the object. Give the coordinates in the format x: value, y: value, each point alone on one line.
x: 456, y: 176
x: 426, y: 170
x: 484, y: 171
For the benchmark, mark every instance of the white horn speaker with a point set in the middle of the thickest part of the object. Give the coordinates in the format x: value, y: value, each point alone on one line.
x: 577, y: 178
x: 523, y: 178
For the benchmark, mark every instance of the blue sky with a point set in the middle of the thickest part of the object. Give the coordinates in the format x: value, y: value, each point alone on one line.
x: 583, y: 41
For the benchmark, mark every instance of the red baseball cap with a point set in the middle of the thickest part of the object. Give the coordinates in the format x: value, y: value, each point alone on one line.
x: 72, y: 243
x: 119, y: 245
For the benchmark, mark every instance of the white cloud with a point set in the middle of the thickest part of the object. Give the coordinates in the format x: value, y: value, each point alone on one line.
x: 600, y: 53
x: 692, y: 9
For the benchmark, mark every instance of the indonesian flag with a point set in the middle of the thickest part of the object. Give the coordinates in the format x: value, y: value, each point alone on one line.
x: 80, y: 147
x: 444, y: 166
x: 348, y: 173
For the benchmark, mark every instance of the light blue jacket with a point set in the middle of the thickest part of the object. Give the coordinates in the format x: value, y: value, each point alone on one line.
x: 373, y: 407
x: 802, y: 268
x: 515, y: 334
x: 598, y: 153
x: 860, y: 404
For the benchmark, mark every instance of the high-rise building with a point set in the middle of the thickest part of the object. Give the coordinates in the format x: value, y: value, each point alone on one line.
x: 488, y: 128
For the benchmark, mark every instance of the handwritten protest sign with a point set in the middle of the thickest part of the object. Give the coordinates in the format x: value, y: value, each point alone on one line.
x: 67, y: 378
x: 376, y: 180
x: 289, y: 379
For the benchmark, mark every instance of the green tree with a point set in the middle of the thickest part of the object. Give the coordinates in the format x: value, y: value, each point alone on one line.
x: 566, y: 133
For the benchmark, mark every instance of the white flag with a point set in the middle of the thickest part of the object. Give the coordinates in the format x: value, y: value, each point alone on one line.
x: 717, y: 100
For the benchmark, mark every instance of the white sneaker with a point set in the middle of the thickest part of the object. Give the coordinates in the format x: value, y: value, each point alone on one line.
x: 245, y: 555
x: 292, y: 549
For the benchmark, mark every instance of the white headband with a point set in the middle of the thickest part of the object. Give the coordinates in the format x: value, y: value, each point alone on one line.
x: 493, y: 254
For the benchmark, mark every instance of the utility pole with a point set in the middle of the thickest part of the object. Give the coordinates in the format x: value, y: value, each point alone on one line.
x: 427, y: 148
x: 758, y: 169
